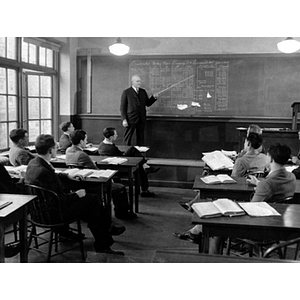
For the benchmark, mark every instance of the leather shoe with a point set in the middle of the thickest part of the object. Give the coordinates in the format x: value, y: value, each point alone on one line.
x: 151, y: 170
x: 147, y: 193
x: 12, y: 249
x: 110, y: 251
x: 126, y: 216
x: 187, y: 236
x: 117, y: 230
x: 186, y: 206
x: 71, y: 235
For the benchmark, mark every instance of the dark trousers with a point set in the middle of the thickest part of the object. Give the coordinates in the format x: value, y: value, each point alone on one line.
x: 139, y: 127
x: 133, y: 152
x: 90, y: 209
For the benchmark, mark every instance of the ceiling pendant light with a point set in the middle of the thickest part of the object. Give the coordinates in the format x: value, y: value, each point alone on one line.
x: 119, y: 48
x: 289, y: 45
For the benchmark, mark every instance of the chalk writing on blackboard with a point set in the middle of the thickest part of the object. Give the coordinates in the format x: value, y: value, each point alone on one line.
x: 185, y: 86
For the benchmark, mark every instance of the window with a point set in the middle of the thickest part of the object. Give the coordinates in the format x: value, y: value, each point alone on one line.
x: 39, y: 104
x: 8, y: 104
x: 31, y: 103
x: 8, y: 47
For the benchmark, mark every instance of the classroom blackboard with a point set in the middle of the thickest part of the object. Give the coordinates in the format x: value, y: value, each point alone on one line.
x: 219, y: 85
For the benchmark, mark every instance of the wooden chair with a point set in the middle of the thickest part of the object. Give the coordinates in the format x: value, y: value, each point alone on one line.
x: 283, y: 248
x: 46, y: 214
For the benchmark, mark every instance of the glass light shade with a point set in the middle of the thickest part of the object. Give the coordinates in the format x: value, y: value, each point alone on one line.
x: 119, y: 48
x: 289, y: 45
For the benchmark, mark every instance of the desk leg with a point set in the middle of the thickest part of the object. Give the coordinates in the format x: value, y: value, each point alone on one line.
x: 23, y: 236
x: 2, y: 256
x: 108, y: 198
x: 137, y: 189
x: 205, y: 240
x: 130, y: 181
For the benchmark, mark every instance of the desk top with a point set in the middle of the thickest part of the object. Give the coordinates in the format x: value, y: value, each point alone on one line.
x: 131, y: 162
x: 17, y: 200
x: 289, y: 219
x: 240, y: 185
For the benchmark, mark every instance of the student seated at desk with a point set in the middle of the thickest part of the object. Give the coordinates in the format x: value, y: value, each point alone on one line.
x: 65, y: 141
x: 253, y: 161
x: 278, y: 185
x: 108, y: 148
x: 76, y: 156
x: 18, y: 154
x: 253, y: 128
x: 79, y: 204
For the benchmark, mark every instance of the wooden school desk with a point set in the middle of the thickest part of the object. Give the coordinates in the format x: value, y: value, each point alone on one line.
x: 100, y: 184
x: 15, y: 212
x: 240, y: 191
x: 282, y: 228
x: 130, y: 167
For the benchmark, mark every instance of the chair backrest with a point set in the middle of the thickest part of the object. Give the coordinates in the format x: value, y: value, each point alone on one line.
x: 258, y: 174
x: 283, y: 246
x: 46, y: 208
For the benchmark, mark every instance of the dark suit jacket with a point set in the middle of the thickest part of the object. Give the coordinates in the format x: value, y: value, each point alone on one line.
x: 40, y: 173
x: 133, y: 107
x: 75, y: 155
x: 64, y: 142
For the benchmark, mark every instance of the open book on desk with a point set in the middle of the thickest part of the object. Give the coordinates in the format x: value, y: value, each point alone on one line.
x: 142, y: 148
x: 217, y: 179
x: 114, y: 160
x: 80, y: 172
x: 216, y: 160
x: 218, y: 208
x: 102, y: 173
x: 259, y: 209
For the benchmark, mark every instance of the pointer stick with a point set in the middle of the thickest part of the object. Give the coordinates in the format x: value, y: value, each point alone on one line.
x: 175, y: 84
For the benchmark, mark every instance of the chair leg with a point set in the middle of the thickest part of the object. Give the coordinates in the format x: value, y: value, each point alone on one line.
x: 15, y: 229
x: 50, y: 246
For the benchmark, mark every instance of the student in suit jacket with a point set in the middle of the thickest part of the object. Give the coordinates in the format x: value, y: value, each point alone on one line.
x: 133, y: 111
x: 87, y: 207
x: 18, y: 153
x: 76, y: 156
x: 64, y: 141
x: 107, y: 147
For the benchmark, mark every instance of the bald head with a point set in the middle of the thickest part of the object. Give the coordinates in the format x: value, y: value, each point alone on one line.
x: 136, y: 81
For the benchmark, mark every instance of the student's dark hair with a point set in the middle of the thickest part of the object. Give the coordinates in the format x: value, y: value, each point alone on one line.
x: 17, y: 134
x: 109, y: 131
x: 43, y: 143
x: 65, y: 125
x: 280, y: 153
x: 255, y: 140
x: 77, y: 135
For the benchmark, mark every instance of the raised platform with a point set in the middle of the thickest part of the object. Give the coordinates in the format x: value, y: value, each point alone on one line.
x: 179, y: 173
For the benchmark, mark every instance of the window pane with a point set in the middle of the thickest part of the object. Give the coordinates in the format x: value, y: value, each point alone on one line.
x: 3, y: 110
x: 11, y: 126
x: 46, y: 127
x: 42, y: 56
x: 12, y: 108
x: 46, y: 108
x: 2, y: 46
x: 24, y: 51
x: 33, y: 85
x: 11, y: 47
x: 32, y: 54
x: 3, y: 133
x: 12, y: 81
x: 33, y: 108
x: 33, y: 130
x: 49, y: 58
x: 2, y: 80
x: 45, y: 86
